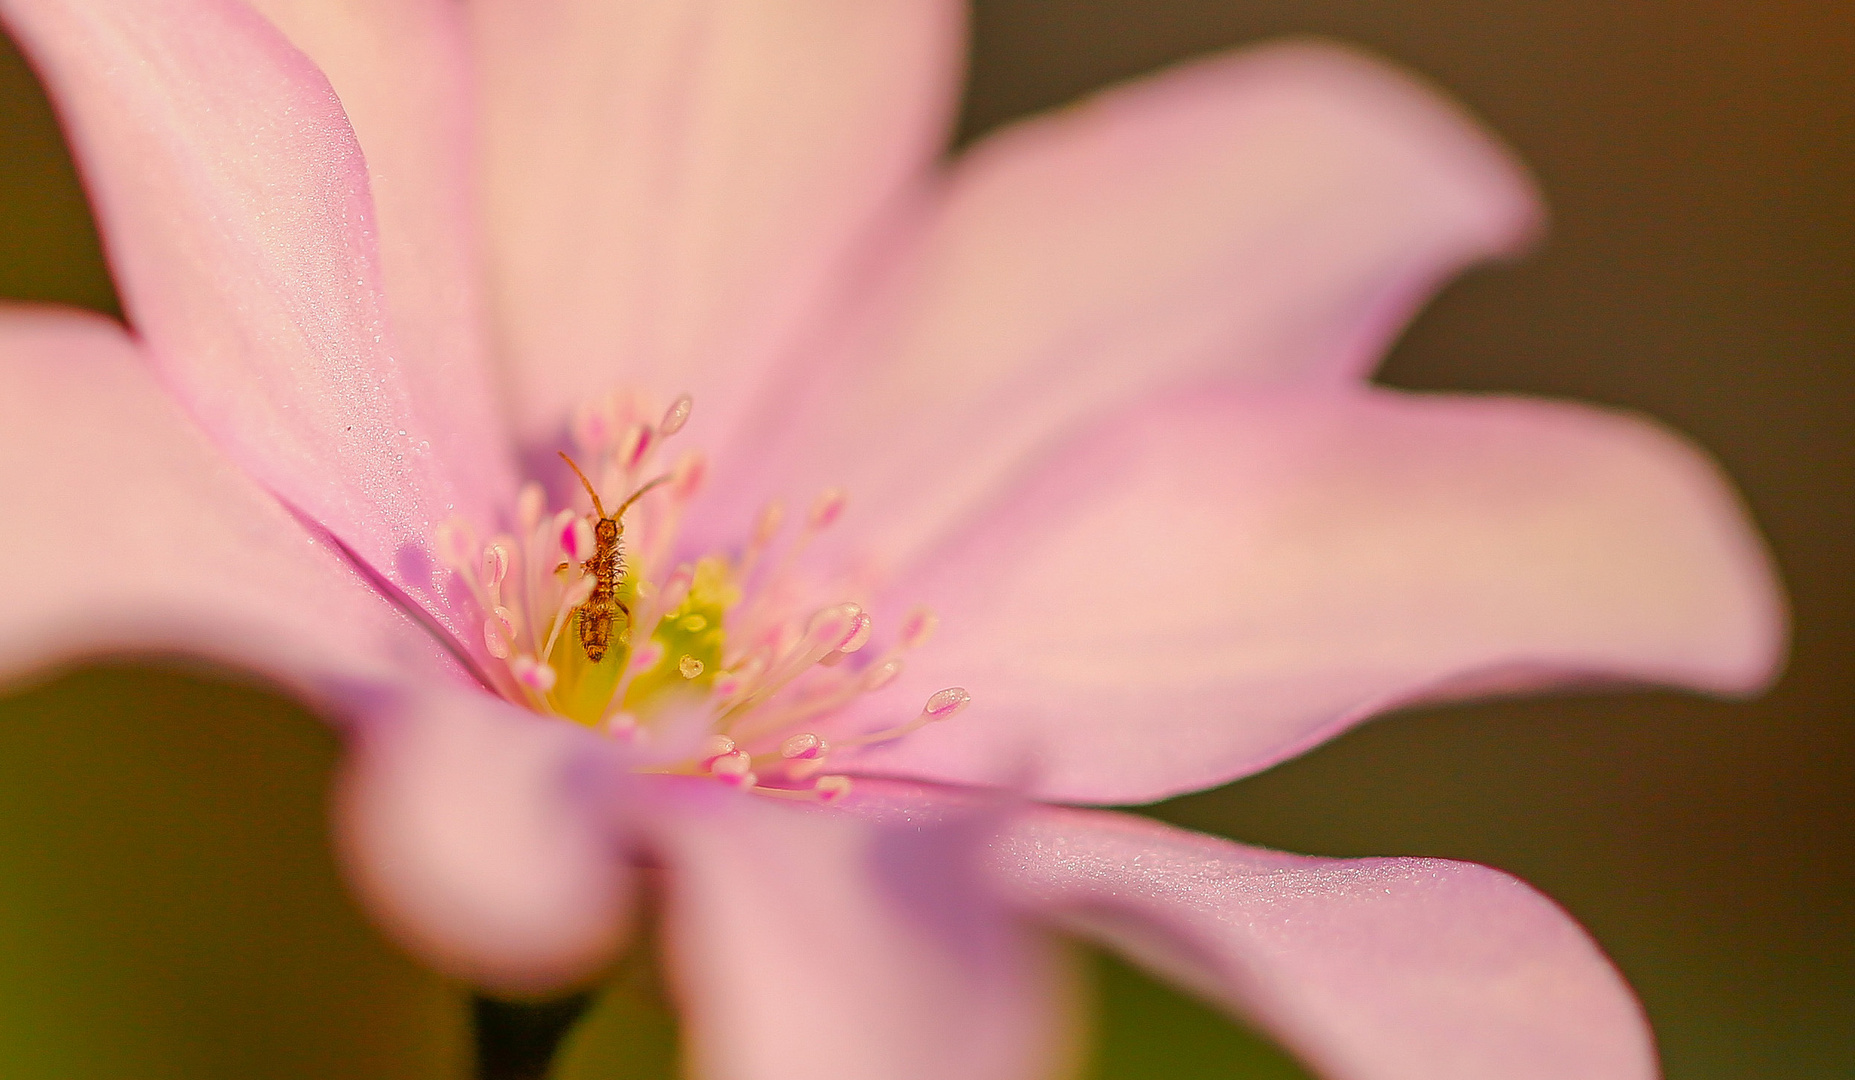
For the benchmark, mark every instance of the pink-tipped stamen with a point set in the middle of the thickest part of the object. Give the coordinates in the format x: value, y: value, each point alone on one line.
x: 675, y: 416
x: 826, y: 509
x: 918, y: 627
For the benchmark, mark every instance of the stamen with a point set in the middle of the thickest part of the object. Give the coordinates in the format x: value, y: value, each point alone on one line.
x: 456, y: 544
x: 940, y: 706
x: 804, y: 745
x: 576, y: 536
x: 881, y: 675
x: 529, y: 506
x: 826, y: 509
x: 675, y: 416
x: 766, y: 525
x: 918, y: 628
x: 499, y: 633
x: 714, y: 746
x: 536, y: 676
x: 636, y: 443
x: 726, y: 648
x: 495, y: 566
x: 686, y: 479
x: 735, y: 768
x: 594, y: 424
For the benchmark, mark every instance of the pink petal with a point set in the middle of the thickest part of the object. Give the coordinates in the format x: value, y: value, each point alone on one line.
x: 484, y: 838
x: 1368, y: 969
x: 1273, y: 215
x: 234, y: 205
x: 811, y: 943
x: 1206, y: 585
x: 671, y: 185
x: 127, y: 530
x: 402, y: 71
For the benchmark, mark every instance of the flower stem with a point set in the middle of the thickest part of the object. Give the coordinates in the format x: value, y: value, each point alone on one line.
x: 517, y: 1040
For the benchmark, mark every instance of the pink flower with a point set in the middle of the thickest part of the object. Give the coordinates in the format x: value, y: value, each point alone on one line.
x: 1094, y: 391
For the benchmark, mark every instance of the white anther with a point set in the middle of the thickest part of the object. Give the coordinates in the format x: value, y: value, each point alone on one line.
x: 946, y: 702
x: 688, y: 666
x: 576, y: 536
x: 826, y: 509
x: 499, y: 632
x: 495, y: 565
x: 532, y: 674
x: 732, y: 765
x: 456, y: 542
x: 529, y: 506
x: 881, y: 675
x: 859, y: 635
x: 675, y: 416
x: 832, y: 788
x: 804, y: 745
x: 835, y: 625
x: 714, y: 746
x: 918, y: 627
x: 622, y: 725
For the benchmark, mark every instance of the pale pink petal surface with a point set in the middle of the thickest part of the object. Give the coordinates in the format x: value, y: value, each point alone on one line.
x: 806, y: 943
x: 1273, y: 215
x: 1368, y: 969
x: 402, y: 71
x: 486, y: 839
x: 127, y: 530
x: 234, y: 204
x: 1148, y: 585
x: 672, y: 185
x: 1204, y: 585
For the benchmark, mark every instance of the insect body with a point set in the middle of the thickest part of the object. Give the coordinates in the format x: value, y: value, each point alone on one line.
x: 607, y: 568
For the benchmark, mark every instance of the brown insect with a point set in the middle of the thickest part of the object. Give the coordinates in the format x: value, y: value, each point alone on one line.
x: 607, y: 567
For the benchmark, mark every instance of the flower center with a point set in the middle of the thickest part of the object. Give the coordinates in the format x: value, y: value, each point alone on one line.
x: 719, y: 663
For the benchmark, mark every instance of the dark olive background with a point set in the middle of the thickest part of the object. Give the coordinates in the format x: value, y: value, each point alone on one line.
x: 168, y: 907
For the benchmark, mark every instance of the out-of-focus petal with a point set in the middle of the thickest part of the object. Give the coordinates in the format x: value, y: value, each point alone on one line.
x: 1367, y: 969
x: 1208, y: 584
x: 402, y: 71
x: 810, y: 943
x: 234, y: 207
x: 1273, y: 215
x: 128, y: 531
x: 671, y: 184
x: 486, y: 839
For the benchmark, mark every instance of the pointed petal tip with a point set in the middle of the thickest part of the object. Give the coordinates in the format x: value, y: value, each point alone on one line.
x: 1367, y: 969
x: 1501, y: 197
x: 1308, y: 560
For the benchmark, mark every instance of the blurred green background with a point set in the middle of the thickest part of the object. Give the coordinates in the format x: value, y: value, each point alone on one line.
x: 168, y: 907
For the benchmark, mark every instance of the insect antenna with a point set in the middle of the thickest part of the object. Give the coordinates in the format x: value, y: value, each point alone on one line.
x: 639, y: 494
x: 588, y: 484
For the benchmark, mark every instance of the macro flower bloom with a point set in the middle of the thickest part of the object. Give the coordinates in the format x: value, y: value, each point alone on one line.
x: 1078, y: 448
